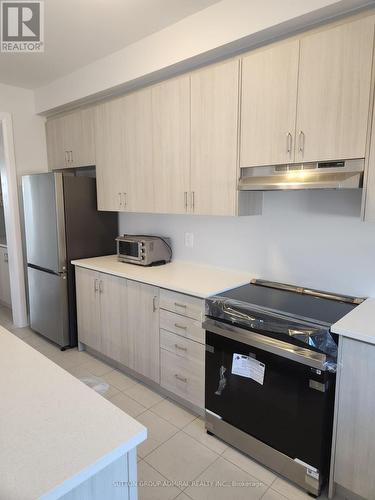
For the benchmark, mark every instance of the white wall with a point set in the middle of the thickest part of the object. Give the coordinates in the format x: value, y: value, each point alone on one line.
x: 217, y: 31
x: 28, y: 129
x: 307, y: 238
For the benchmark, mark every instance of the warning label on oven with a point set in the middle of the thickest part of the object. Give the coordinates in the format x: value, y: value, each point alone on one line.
x: 248, y: 367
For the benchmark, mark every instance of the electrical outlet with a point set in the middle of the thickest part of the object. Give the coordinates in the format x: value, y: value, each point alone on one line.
x: 189, y: 240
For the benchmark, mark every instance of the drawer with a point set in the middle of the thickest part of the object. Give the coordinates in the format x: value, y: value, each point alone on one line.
x: 185, y: 348
x: 182, y: 377
x: 182, y: 325
x: 192, y: 307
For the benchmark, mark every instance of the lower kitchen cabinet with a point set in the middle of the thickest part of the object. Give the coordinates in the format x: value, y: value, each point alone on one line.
x: 143, y: 329
x: 119, y: 318
x: 354, y: 453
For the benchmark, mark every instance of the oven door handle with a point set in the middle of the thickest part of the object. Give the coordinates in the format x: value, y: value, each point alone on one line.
x: 264, y: 343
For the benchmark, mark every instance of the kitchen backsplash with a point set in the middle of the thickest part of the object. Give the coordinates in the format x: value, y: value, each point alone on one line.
x: 310, y: 238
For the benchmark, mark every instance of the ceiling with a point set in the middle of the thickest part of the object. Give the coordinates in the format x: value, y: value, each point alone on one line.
x: 78, y: 32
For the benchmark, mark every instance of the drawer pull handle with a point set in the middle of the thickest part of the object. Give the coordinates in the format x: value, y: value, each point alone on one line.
x: 177, y: 325
x: 181, y: 379
x: 178, y: 304
x: 181, y: 348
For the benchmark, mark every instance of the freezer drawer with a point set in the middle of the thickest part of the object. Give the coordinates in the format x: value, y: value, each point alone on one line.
x: 49, y: 305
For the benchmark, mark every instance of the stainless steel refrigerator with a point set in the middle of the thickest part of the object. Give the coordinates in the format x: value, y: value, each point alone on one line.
x: 62, y: 223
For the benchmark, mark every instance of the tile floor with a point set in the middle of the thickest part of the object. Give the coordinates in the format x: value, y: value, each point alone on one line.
x: 179, y: 460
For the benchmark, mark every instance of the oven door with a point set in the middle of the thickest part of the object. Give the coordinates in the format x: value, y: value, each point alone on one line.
x: 129, y: 250
x: 278, y: 393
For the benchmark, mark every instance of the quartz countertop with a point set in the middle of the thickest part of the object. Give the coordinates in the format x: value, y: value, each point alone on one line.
x: 180, y: 276
x: 359, y: 324
x: 55, y: 432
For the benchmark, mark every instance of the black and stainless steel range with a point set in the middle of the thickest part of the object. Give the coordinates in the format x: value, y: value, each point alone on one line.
x: 270, y: 375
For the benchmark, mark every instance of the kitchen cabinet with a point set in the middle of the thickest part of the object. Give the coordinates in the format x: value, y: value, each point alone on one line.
x: 138, y: 164
x: 70, y: 139
x: 143, y: 329
x: 88, y: 308
x: 5, y: 298
x: 268, y: 105
x: 369, y: 191
x: 171, y: 144
x: 119, y: 318
x: 334, y: 91
x: 354, y: 453
x: 214, y: 139
x: 111, y: 174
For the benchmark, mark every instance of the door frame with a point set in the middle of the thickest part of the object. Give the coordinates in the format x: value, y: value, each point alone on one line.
x: 13, y: 229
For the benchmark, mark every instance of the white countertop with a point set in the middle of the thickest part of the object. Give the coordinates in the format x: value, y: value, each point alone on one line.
x: 55, y: 432
x: 180, y: 276
x: 359, y: 324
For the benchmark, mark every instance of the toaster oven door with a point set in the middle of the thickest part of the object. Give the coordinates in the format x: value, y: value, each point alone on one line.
x: 130, y: 250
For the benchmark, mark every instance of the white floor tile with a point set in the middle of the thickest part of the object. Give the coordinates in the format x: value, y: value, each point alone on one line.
x: 272, y: 495
x: 127, y: 404
x: 289, y: 490
x: 153, y: 486
x: 222, y: 480
x: 174, y: 413
x: 197, y: 430
x: 244, y: 462
x: 143, y: 395
x: 181, y: 458
x: 158, y: 431
x: 119, y: 380
x: 96, y: 366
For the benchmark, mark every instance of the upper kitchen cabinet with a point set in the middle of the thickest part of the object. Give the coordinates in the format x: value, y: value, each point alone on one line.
x: 214, y: 139
x: 334, y: 92
x: 171, y: 144
x: 268, y: 105
x: 138, y: 162
x: 70, y: 140
x: 110, y: 158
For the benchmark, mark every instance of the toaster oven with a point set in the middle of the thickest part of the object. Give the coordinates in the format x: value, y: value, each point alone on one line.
x: 143, y: 250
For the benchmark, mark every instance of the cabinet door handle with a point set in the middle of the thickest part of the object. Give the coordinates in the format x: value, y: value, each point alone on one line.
x: 289, y: 142
x: 185, y: 200
x: 180, y: 347
x: 125, y: 202
x: 154, y: 304
x: 177, y: 325
x: 6, y: 259
x: 96, y: 285
x: 71, y: 157
x: 178, y: 304
x: 301, y: 142
x: 119, y: 200
x: 66, y: 158
x: 101, y: 287
x: 192, y: 194
x: 181, y: 379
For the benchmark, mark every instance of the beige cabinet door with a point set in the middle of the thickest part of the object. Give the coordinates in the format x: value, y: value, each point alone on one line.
x: 84, y: 144
x: 88, y: 308
x: 143, y: 329
x: 214, y: 139
x: 109, y: 152
x: 137, y: 119
x: 4, y: 278
x: 171, y: 144
x: 113, y: 314
x: 57, y: 156
x: 355, y: 440
x: 268, y: 105
x: 334, y: 92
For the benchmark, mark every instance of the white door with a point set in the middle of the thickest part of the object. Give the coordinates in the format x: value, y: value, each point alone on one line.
x: 143, y: 329
x: 214, y: 139
x: 109, y: 152
x: 268, y: 105
x: 171, y: 144
x: 140, y: 183
x: 334, y: 92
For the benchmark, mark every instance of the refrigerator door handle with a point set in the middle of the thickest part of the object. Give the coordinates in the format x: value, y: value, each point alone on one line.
x: 60, y: 219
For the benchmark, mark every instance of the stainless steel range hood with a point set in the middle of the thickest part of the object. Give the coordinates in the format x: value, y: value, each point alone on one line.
x: 343, y: 174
